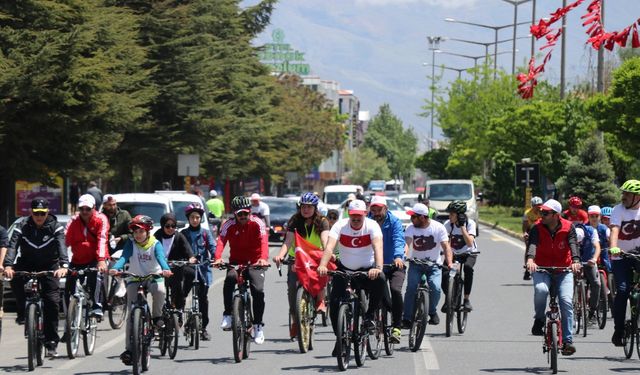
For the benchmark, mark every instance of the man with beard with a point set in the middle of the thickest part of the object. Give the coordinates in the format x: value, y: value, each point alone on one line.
x: 118, y: 223
x: 625, y: 237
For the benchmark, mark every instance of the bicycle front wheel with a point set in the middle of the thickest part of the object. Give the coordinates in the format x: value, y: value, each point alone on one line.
x: 374, y: 346
x: 553, y: 349
x: 630, y: 327
x: 419, y: 323
x: 117, y: 305
x: 389, y: 346
x: 344, y: 333
x: 172, y: 334
x: 601, y: 312
x: 32, y: 336
x: 577, y: 309
x: 137, y: 338
x: 449, y: 302
x: 89, y: 335
x: 195, y: 330
x: 72, y: 327
x: 583, y: 309
x: 304, y: 318
x: 237, y: 322
x: 461, y: 313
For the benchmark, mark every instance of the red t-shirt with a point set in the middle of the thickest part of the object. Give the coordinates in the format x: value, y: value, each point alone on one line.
x: 580, y: 216
x: 247, y: 243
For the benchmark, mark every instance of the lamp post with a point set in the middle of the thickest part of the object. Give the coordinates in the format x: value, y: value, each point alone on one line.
x: 485, y: 44
x: 475, y: 58
x: 450, y: 68
x: 515, y: 4
x: 434, y: 46
x: 495, y: 30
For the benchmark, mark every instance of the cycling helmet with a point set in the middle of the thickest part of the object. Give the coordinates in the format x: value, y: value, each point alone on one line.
x: 575, y: 202
x: 309, y: 198
x: 213, y: 194
x: 141, y: 221
x: 193, y: 207
x: 240, y: 203
x: 631, y: 186
x: 535, y: 201
x: 606, y: 211
x: 457, y: 207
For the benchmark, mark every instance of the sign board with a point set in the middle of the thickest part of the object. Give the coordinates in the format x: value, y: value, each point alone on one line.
x: 527, y: 174
x: 281, y: 58
x: 27, y: 191
x: 188, y: 165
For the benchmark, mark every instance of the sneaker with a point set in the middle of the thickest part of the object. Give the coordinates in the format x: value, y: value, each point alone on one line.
x: 467, y: 305
x: 527, y: 275
x: 618, y: 338
x: 370, y: 326
x: 444, y: 308
x: 158, y: 322
x: 125, y: 357
x: 51, y: 351
x: 568, y: 348
x: 258, y: 334
x: 434, y: 319
x: 204, y: 335
x: 226, y: 322
x: 321, y: 308
x: 293, y: 330
x: 536, y: 330
x: 396, y: 334
x: 97, y: 312
x: 406, y: 324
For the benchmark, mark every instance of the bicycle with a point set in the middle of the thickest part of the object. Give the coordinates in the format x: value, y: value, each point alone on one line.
x: 193, y: 316
x: 116, y: 302
x: 421, y: 305
x: 33, y: 328
x: 581, y: 318
x: 351, y: 321
x: 603, y: 299
x: 632, y: 315
x: 451, y: 297
x: 553, y: 325
x: 242, y: 316
x: 457, y: 290
x: 169, y: 333
x: 79, y: 321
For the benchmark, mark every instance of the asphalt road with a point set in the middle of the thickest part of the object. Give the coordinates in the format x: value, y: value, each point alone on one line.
x: 497, y: 339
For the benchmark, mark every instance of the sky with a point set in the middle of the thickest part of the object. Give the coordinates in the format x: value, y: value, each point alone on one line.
x: 378, y: 48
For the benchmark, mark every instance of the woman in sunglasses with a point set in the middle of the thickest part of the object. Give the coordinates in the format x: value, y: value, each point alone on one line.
x: 176, y: 247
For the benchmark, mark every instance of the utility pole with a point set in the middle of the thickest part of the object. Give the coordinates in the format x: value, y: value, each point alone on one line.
x: 434, y: 46
x: 533, y: 21
x: 563, y: 53
x: 600, y: 83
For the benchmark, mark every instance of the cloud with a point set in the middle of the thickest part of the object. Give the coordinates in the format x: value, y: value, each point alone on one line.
x: 450, y: 4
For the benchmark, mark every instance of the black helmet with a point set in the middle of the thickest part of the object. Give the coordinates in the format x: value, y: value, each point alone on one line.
x: 240, y: 203
x: 457, y: 206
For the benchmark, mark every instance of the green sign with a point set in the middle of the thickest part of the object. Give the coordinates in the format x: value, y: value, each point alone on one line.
x: 281, y: 57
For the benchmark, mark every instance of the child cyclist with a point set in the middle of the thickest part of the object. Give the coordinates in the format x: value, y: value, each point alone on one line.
x: 145, y: 256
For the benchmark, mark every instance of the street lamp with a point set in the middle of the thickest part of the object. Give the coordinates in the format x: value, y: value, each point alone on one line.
x: 475, y: 58
x: 434, y: 46
x: 515, y: 4
x: 485, y: 44
x: 450, y: 68
x: 495, y: 30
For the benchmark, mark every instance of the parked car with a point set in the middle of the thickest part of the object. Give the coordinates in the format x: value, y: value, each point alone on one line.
x: 180, y: 200
x: 280, y: 211
x: 443, y: 192
x: 408, y: 200
x: 335, y: 194
x: 152, y: 205
x: 393, y: 206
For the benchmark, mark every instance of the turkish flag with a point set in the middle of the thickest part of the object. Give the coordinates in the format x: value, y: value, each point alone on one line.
x: 307, y: 260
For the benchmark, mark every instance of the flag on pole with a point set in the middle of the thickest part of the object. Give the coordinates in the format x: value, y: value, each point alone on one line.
x: 307, y: 260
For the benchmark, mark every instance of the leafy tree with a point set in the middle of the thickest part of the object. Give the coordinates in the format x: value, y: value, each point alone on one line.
x: 589, y: 175
x: 365, y: 165
x: 434, y: 163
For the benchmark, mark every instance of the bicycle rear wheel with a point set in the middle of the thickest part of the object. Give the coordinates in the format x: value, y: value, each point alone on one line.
x: 577, y: 309
x: 419, y: 323
x: 583, y: 308
x: 32, y: 336
x: 72, y: 327
x: 553, y: 349
x: 237, y: 322
x: 361, y: 335
x: 630, y: 327
x: 117, y: 305
x: 601, y: 311
x: 89, y: 335
x: 304, y: 318
x: 461, y: 313
x: 344, y: 333
x: 374, y: 347
x: 389, y: 347
x: 449, y: 302
x: 172, y: 333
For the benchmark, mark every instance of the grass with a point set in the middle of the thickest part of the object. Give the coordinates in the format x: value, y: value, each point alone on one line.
x: 506, y: 217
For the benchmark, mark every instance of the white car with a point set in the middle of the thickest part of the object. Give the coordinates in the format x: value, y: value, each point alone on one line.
x: 180, y: 200
x: 152, y: 205
x: 393, y: 206
x: 408, y: 200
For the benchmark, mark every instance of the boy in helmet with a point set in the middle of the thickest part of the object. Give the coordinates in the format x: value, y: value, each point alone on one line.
x: 575, y: 213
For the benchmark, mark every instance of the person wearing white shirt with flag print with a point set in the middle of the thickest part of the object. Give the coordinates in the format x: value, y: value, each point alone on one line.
x: 427, y: 239
x: 359, y: 241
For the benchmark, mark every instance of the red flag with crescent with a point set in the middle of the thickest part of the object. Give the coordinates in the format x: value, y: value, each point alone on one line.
x: 307, y: 260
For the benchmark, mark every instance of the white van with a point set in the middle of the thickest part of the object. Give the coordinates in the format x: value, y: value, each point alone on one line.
x: 443, y: 192
x: 333, y: 195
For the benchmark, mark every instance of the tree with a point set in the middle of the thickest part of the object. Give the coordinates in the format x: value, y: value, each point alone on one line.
x: 589, y: 175
x: 365, y: 165
x: 434, y: 163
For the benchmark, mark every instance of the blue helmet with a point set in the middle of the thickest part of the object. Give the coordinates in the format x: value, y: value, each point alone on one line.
x: 606, y: 211
x: 309, y: 198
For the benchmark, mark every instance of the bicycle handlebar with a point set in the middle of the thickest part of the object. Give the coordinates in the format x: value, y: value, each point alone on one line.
x: 552, y: 269
x: 33, y: 274
x: 82, y: 271
x: 182, y: 263
x: 424, y: 262
x: 349, y: 274
x: 141, y: 277
x: 226, y: 266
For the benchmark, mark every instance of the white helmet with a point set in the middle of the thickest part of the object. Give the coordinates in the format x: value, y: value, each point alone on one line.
x: 580, y: 234
x: 213, y: 193
x: 536, y: 201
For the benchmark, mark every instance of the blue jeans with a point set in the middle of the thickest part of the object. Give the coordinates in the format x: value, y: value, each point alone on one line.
x: 434, y: 279
x: 623, y: 275
x: 564, y: 283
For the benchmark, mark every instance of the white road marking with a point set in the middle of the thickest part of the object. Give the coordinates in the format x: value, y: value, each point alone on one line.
x: 427, y: 359
x: 497, y: 236
x: 99, y: 349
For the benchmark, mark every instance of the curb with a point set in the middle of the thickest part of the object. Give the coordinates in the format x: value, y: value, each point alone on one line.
x: 501, y: 229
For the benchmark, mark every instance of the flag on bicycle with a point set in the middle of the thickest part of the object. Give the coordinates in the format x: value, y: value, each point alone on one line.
x: 307, y: 260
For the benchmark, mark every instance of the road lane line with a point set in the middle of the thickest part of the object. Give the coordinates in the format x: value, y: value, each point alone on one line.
x: 99, y: 349
x: 427, y: 359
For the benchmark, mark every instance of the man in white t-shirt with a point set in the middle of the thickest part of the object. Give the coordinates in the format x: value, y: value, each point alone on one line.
x: 260, y: 209
x: 428, y: 239
x: 359, y: 241
x: 625, y: 236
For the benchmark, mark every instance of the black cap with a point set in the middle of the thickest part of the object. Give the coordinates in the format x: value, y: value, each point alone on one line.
x: 40, y: 204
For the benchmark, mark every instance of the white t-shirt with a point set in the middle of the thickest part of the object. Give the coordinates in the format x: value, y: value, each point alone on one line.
x: 629, y: 223
x: 458, y: 245
x: 262, y: 209
x: 356, y: 246
x: 426, y: 242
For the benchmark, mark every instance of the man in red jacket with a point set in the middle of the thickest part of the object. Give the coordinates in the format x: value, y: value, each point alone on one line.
x: 87, y: 234
x: 248, y: 240
x: 553, y: 243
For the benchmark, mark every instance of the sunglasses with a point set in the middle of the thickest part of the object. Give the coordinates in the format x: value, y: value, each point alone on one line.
x: 546, y: 212
x: 172, y: 226
x: 242, y: 214
x: 39, y: 214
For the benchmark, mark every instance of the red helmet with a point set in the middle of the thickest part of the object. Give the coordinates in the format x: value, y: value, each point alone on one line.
x: 575, y: 202
x: 141, y: 221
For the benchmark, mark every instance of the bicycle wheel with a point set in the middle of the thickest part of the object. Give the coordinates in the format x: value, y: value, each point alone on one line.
x: 553, y: 350
x: 303, y: 318
x: 196, y: 328
x: 325, y: 314
x: 449, y: 301
x: 172, y: 333
x: 117, y: 306
x: 389, y: 347
x: 147, y: 332
x: 237, y: 322
x: 343, y: 336
x: 248, y: 327
x: 577, y: 310
x: 72, y: 327
x: 374, y: 347
x: 461, y: 313
x: 419, y: 321
x: 630, y: 327
x: 601, y: 311
x: 163, y: 343
x: 32, y: 336
x: 89, y: 335
x: 137, y: 337
x: 611, y: 282
x: 583, y: 309
x: 361, y: 335
x: 636, y: 327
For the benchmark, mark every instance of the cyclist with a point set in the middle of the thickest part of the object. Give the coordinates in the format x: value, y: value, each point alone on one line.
x: 248, y: 240
x: 203, y: 246
x: 359, y: 240
x: 605, y: 217
x: 589, y: 244
x: 332, y: 216
x: 215, y: 204
x: 531, y: 215
x: 428, y: 239
x: 118, y: 222
x: 575, y: 213
x: 393, y: 245
x: 345, y: 206
x: 433, y: 213
x: 40, y: 239
x: 176, y: 247
x: 553, y: 243
x: 462, y: 239
x: 313, y: 227
x: 145, y: 256
x: 595, y: 214
x: 260, y: 209
x: 87, y: 235
x: 625, y: 236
